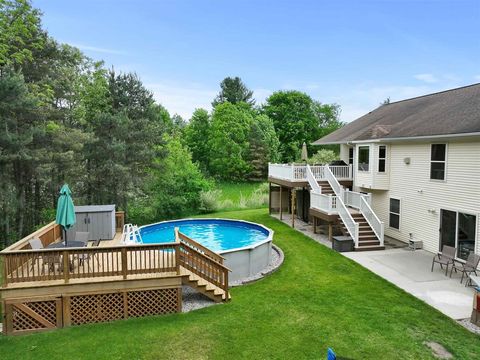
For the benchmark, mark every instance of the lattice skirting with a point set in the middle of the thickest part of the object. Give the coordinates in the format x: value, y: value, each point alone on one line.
x: 27, y: 315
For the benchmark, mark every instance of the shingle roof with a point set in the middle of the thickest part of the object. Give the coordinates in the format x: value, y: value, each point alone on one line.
x: 455, y: 111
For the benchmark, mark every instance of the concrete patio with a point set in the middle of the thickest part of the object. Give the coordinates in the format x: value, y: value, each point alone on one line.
x: 410, y: 271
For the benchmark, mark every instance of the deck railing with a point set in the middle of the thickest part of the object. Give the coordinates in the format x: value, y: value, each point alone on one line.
x: 298, y: 172
x: 353, y: 198
x: 372, y: 219
x: 124, y: 262
x: 326, y: 203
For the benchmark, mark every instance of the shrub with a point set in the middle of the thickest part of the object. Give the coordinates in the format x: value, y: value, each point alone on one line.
x: 323, y: 156
x: 210, y: 201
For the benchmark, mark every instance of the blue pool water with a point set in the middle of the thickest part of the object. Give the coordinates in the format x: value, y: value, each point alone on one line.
x: 217, y: 235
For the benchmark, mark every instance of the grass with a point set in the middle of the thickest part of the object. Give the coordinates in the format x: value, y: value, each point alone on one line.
x: 317, y: 299
x: 235, y: 196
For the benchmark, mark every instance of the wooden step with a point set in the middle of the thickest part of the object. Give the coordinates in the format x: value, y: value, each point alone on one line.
x: 370, y: 248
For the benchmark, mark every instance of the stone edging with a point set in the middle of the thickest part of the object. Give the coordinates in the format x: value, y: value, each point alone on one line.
x: 270, y: 269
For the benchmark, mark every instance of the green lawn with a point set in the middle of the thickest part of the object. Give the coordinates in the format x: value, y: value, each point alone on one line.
x: 317, y: 299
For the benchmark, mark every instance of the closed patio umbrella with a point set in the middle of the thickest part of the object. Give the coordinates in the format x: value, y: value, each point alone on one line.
x: 65, y: 210
x: 304, y: 152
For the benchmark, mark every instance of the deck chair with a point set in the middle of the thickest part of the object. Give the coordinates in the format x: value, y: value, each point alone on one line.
x: 467, y: 268
x: 87, y: 256
x: 446, y: 257
x: 35, y: 244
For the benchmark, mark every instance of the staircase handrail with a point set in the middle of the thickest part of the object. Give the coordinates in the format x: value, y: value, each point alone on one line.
x: 184, y: 239
x: 334, y: 184
x: 131, y: 234
x: 343, y: 212
x: 312, y: 181
x: 377, y: 226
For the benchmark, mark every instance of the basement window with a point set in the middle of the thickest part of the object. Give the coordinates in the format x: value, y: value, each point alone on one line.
x: 438, y: 161
x: 363, y: 158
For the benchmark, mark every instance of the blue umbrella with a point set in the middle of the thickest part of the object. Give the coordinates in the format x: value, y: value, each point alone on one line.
x: 65, y: 210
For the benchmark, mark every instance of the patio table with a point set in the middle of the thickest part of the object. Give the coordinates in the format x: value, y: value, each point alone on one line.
x: 70, y: 244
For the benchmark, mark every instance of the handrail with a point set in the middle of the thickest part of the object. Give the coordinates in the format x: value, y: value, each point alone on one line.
x: 180, y: 237
x: 312, y: 181
x: 343, y: 212
x: 87, y: 263
x: 372, y: 219
x: 323, y: 202
x: 334, y: 184
x: 47, y: 234
x: 297, y: 172
x: 352, y: 198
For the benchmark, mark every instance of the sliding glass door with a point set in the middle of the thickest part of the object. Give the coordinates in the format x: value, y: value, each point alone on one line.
x: 458, y: 230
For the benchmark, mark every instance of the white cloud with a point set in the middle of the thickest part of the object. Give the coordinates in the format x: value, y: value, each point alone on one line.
x: 182, y: 99
x: 428, y: 78
x: 97, y: 49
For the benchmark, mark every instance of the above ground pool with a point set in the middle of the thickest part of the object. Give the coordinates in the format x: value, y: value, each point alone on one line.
x: 245, y: 246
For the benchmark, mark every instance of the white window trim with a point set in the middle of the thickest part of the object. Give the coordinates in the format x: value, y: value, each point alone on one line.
x: 385, y: 158
x: 399, y: 214
x: 369, y: 158
x: 437, y: 161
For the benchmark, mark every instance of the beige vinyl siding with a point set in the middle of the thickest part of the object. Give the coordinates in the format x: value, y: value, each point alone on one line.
x: 344, y: 152
x: 418, y: 194
x: 381, y: 180
x: 372, y: 179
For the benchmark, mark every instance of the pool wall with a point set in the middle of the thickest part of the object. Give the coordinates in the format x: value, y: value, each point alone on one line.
x: 245, y: 261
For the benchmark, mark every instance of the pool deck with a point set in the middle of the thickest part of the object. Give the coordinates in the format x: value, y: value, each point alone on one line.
x: 410, y: 271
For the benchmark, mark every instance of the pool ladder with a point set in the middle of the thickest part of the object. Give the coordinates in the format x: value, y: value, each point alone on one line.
x: 131, y: 235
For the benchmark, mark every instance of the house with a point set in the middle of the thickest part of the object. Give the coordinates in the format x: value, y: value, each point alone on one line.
x: 413, y: 173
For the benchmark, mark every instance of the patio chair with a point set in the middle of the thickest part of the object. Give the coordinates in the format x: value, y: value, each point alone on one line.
x: 467, y: 268
x: 86, y: 257
x: 35, y: 244
x: 446, y: 257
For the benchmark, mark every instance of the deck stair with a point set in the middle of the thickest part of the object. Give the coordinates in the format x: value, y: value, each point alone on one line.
x: 367, y: 240
x: 326, y: 188
x: 203, y: 286
x: 367, y: 234
x: 202, y: 269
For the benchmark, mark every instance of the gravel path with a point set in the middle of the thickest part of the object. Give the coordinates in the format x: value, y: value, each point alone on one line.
x: 193, y: 300
x: 469, y: 326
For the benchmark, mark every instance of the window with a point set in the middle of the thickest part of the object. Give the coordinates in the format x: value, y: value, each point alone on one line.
x: 458, y: 230
x: 394, y: 219
x: 350, y: 155
x: 363, y: 158
x: 382, y: 156
x: 437, y: 162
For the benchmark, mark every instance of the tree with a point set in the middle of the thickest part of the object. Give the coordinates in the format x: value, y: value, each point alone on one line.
x: 294, y: 119
x: 176, y: 182
x: 328, y: 118
x: 229, y: 141
x: 263, y: 146
x: 20, y: 32
x: 234, y: 91
x: 196, y: 136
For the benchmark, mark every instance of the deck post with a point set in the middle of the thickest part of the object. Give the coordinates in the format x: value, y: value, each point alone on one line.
x: 269, y: 198
x: 330, y: 231
x: 124, y: 262
x: 66, y: 266
x: 281, y: 212
x: 294, y: 193
x: 314, y: 225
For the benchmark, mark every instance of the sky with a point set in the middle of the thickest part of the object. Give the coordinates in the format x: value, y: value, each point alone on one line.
x: 352, y: 53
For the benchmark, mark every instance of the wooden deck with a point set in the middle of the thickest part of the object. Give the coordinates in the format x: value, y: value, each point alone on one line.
x: 55, y: 287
